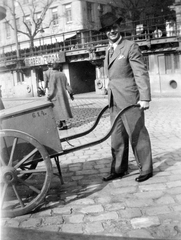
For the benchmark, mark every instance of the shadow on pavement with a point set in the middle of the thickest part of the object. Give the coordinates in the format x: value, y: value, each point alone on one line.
x: 167, y: 160
x: 9, y: 233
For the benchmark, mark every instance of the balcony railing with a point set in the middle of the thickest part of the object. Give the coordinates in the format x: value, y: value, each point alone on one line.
x: 148, y: 30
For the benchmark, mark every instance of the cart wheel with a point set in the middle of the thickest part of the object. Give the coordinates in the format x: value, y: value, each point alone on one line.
x: 23, y: 187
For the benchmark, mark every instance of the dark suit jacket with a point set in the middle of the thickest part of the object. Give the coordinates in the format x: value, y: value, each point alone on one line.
x: 128, y: 76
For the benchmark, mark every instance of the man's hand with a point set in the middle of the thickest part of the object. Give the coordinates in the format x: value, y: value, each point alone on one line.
x: 72, y: 96
x: 46, y: 92
x: 48, y: 98
x: 144, y: 105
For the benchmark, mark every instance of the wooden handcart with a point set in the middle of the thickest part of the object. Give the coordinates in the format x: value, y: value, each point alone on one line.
x: 29, y: 140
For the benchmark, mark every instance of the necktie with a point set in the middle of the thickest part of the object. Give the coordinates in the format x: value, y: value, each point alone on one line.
x: 111, y: 51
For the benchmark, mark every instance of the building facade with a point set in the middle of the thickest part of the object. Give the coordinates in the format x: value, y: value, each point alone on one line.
x: 69, y: 34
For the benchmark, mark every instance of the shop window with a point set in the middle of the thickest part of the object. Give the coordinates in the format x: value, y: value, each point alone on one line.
x: 55, y: 16
x: 168, y: 63
x: 176, y: 58
x: 68, y: 13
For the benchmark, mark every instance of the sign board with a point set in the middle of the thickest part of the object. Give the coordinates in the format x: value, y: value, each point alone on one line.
x: 45, y: 59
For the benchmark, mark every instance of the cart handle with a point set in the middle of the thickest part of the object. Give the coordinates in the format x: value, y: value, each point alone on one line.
x: 89, y: 130
x: 99, y: 140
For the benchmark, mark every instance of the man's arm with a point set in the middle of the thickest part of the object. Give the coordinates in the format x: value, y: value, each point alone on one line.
x: 140, y: 73
x: 141, y: 76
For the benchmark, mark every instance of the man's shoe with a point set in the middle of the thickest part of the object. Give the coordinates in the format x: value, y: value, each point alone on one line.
x: 113, y: 176
x: 142, y: 178
x: 63, y: 128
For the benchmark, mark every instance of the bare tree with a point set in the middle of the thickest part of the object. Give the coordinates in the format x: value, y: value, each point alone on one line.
x: 34, y: 25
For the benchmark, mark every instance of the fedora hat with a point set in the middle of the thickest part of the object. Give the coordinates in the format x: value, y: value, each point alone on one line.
x: 108, y: 19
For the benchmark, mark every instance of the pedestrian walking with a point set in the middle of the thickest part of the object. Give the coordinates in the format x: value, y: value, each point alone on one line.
x: 1, y: 102
x: 57, y: 94
x: 128, y: 84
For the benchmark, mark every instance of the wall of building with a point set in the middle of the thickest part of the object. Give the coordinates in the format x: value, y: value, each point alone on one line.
x: 163, y: 82
x: 12, y: 88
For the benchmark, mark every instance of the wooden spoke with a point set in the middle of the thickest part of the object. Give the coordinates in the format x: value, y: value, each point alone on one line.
x: 25, y: 158
x: 32, y: 171
x: 3, y: 194
x: 30, y: 186
x: 17, y: 195
x: 21, y: 154
x: 2, y: 161
x: 12, y: 151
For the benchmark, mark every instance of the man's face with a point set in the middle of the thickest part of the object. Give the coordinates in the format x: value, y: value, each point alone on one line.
x: 113, y: 32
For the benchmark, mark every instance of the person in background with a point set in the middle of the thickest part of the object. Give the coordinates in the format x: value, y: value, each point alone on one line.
x: 57, y: 94
x: 1, y: 102
x: 128, y: 84
x: 46, y: 77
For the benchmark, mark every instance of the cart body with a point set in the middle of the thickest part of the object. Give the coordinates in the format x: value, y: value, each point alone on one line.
x: 35, y: 118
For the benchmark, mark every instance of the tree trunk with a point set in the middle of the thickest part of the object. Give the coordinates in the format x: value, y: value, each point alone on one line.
x: 31, y: 45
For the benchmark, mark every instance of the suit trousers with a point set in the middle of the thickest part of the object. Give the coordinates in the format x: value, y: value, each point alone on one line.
x: 130, y: 128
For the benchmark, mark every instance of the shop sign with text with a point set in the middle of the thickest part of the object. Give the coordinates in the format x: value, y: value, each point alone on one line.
x: 42, y: 60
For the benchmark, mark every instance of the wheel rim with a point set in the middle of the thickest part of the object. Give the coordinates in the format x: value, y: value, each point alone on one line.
x: 23, y: 187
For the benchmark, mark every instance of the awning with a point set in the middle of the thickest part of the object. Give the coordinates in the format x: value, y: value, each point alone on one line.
x: 63, y: 37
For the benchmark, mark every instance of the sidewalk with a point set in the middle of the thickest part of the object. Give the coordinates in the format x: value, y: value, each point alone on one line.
x: 123, y: 207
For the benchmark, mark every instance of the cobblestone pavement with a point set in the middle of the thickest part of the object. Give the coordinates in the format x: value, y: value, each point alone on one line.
x: 123, y: 207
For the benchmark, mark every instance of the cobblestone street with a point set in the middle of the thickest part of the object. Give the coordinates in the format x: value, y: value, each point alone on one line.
x: 87, y: 205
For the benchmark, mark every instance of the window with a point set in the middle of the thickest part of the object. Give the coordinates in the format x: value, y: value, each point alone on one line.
x: 17, y: 24
x: 7, y: 29
x: 102, y: 8
x: 55, y: 16
x: 90, y: 16
x: 38, y: 15
x: 38, y: 19
x: 27, y: 21
x: 68, y: 13
x: 146, y: 60
x: 168, y: 62
x: 25, y: 1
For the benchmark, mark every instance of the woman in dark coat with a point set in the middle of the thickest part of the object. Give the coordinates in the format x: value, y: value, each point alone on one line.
x: 57, y: 94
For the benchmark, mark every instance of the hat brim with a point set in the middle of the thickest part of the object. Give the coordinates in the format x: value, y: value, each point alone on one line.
x: 116, y: 21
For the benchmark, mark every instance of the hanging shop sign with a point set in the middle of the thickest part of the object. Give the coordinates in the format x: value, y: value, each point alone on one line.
x: 43, y: 60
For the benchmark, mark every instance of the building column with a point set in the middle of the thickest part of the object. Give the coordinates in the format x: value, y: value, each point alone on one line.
x: 101, y: 81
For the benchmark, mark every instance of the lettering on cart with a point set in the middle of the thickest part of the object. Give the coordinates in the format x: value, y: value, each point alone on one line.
x: 39, y: 114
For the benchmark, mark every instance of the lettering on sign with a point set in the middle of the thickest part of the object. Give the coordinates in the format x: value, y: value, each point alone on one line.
x: 39, y: 114
x: 42, y: 60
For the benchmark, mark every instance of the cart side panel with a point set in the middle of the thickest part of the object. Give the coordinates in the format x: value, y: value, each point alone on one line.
x: 36, y: 119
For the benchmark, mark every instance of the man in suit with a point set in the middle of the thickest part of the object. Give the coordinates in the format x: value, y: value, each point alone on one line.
x: 128, y: 84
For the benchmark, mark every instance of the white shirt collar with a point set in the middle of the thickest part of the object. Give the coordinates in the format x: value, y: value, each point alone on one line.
x: 114, y: 45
